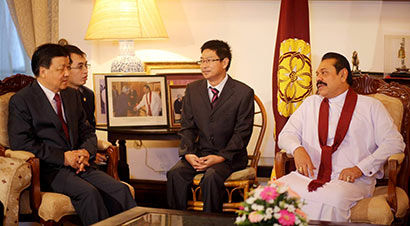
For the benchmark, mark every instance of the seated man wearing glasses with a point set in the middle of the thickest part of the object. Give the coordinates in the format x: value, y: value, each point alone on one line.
x: 46, y: 118
x: 78, y: 77
x: 217, y: 121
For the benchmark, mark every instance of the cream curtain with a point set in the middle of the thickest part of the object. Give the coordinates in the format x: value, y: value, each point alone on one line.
x: 36, y: 22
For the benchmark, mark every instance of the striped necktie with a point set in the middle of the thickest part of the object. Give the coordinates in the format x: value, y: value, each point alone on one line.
x: 215, y: 96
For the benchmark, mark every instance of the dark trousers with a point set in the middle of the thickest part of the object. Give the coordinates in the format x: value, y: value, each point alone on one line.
x: 179, y: 179
x: 94, y: 194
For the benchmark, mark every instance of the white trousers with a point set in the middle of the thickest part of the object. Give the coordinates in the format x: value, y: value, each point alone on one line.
x: 332, y: 201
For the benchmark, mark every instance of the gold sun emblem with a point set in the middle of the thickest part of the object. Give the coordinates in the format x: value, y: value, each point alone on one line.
x: 294, y: 75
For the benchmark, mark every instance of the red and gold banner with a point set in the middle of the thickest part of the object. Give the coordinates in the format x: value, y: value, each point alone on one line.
x: 292, y: 68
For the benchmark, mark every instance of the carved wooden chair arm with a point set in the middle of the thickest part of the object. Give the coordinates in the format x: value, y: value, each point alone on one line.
x: 112, y: 162
x: 282, y: 159
x: 394, y: 163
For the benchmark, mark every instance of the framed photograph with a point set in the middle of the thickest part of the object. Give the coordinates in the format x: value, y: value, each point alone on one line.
x: 137, y: 101
x: 100, y: 95
x: 171, y: 67
x: 176, y: 85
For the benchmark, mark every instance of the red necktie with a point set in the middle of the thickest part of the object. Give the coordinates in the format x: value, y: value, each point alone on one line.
x: 149, y: 112
x: 60, y: 115
x: 215, y: 96
x: 325, y: 168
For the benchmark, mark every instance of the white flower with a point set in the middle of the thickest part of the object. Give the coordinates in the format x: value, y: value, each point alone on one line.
x: 257, y: 193
x: 282, y: 204
x: 267, y: 217
x: 277, y: 215
x: 291, y: 208
x: 240, y: 219
x: 246, y: 209
x: 257, y: 207
x: 269, y: 210
x: 275, y: 224
x: 250, y: 200
x: 276, y: 209
x: 297, y: 220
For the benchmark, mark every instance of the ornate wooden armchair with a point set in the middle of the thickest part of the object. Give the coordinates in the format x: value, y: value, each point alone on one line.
x: 239, y: 183
x: 46, y: 207
x: 390, y: 199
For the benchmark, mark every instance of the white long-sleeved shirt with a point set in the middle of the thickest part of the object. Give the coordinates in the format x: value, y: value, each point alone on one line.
x: 155, y: 104
x: 372, y: 136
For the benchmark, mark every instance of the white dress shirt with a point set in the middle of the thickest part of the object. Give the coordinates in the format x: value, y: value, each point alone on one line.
x: 219, y: 87
x: 50, y: 96
x: 372, y: 137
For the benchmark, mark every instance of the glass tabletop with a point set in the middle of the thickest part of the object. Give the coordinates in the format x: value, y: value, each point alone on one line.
x: 165, y: 219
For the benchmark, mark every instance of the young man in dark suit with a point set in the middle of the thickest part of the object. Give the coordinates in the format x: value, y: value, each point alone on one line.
x: 47, y: 119
x: 217, y: 121
x: 78, y: 77
x: 76, y: 80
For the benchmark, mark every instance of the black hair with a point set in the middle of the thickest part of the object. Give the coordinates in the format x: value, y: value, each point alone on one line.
x: 147, y: 86
x: 74, y: 50
x: 222, y: 49
x: 44, y: 54
x: 341, y: 62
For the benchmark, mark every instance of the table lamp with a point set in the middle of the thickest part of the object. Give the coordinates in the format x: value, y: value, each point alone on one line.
x: 126, y: 21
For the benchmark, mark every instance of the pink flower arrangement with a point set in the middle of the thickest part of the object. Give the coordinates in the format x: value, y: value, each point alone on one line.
x: 269, y: 194
x: 286, y: 218
x: 274, y: 204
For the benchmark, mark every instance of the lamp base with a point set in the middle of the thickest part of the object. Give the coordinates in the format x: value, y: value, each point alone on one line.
x: 127, y: 64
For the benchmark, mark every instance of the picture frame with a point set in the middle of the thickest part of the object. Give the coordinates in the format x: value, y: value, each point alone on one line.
x: 171, y: 67
x: 137, y: 101
x: 100, y: 96
x: 176, y: 85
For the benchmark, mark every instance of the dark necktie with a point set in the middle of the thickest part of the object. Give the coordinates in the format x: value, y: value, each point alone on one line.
x: 325, y: 168
x: 215, y: 96
x: 60, y: 115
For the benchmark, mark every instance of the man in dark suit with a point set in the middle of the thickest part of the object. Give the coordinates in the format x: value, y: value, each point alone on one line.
x: 47, y: 119
x: 217, y: 120
x: 78, y: 77
x: 76, y: 80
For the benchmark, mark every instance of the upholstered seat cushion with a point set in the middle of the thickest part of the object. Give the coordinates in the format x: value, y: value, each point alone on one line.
x: 54, y: 206
x: 15, y: 176
x: 248, y: 173
x: 376, y: 210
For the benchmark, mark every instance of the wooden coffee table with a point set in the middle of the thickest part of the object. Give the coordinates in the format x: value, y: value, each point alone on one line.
x: 144, y: 216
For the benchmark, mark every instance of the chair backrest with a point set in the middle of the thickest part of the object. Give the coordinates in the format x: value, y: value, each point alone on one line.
x: 8, y: 87
x: 396, y: 98
x: 259, y: 128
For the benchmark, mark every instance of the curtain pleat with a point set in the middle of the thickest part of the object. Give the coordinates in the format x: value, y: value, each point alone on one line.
x: 36, y: 22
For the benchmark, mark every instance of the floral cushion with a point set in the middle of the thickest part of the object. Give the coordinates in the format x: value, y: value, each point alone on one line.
x: 4, y: 114
x: 15, y: 176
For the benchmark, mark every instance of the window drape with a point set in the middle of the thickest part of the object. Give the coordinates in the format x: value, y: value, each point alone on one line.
x: 36, y: 21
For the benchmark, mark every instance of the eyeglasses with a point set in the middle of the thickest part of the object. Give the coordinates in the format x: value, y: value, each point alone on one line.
x: 82, y: 66
x: 207, y: 61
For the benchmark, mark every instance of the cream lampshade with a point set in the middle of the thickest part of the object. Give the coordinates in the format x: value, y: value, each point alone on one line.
x: 126, y: 21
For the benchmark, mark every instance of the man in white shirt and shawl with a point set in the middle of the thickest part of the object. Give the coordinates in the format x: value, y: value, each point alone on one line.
x: 151, y: 101
x: 339, y: 146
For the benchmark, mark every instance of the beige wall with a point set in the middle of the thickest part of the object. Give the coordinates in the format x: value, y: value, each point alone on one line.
x: 250, y: 28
